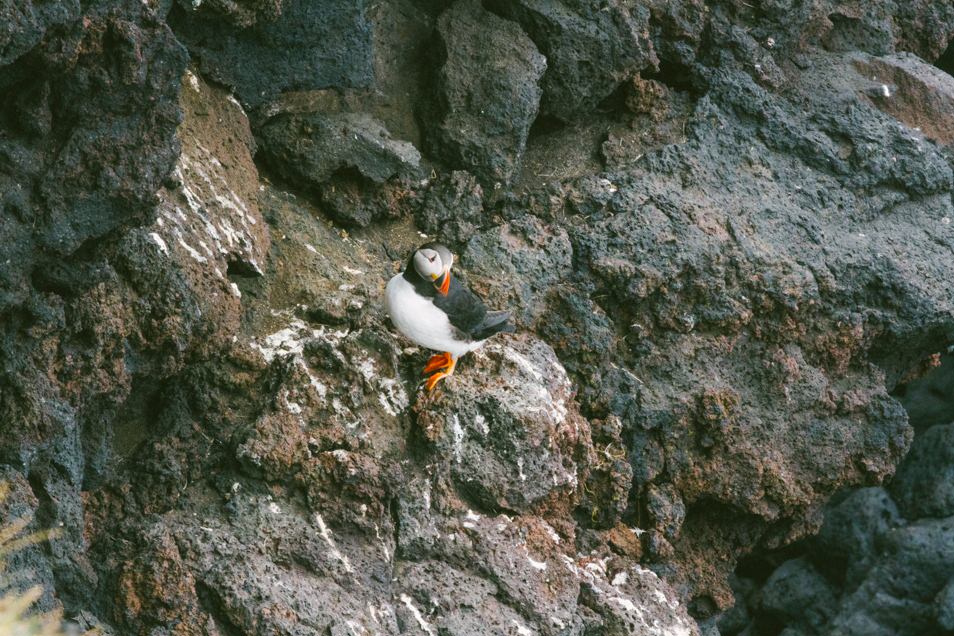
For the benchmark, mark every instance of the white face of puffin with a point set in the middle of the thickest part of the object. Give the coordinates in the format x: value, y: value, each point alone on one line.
x: 428, y: 263
x: 433, y: 261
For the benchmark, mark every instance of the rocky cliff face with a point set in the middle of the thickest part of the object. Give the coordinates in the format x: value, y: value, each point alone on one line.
x: 724, y: 230
x: 882, y: 562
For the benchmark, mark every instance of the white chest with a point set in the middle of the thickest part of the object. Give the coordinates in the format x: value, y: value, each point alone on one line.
x: 419, y: 320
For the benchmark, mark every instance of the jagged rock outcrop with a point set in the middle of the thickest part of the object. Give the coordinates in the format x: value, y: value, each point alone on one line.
x: 89, y: 117
x: 881, y: 563
x: 591, y: 48
x: 487, y: 92
x: 310, y: 149
x: 345, y: 520
x: 511, y: 450
x: 260, y: 49
x: 726, y: 244
x: 359, y: 172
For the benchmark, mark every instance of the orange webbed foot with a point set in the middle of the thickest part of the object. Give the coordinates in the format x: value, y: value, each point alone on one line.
x: 434, y: 379
x: 440, y: 361
x: 440, y: 375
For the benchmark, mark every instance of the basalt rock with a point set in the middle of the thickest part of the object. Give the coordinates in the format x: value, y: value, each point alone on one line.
x: 359, y: 172
x: 241, y: 13
x: 22, y: 26
x: 310, y: 149
x: 84, y: 149
x: 725, y: 243
x: 348, y: 521
x: 924, y: 485
x: 292, y: 45
x: 453, y: 208
x: 487, y: 92
x: 879, y: 565
x: 591, y: 48
x: 87, y: 136
x: 516, y: 446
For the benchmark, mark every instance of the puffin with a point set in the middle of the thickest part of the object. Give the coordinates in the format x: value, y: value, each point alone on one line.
x: 436, y: 311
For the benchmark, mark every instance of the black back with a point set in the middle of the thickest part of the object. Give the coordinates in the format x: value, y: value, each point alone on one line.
x: 463, y: 307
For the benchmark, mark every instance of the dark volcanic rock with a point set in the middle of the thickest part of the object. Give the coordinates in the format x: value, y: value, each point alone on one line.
x: 591, y: 48
x: 520, y: 263
x: 487, y: 92
x: 242, y: 13
x: 23, y: 25
x: 356, y: 201
x: 206, y: 395
x: 924, y: 485
x: 342, y: 525
x: 88, y: 122
x: 87, y: 136
x: 897, y: 595
x: 347, y: 158
x: 308, y: 45
x: 453, y: 208
x: 209, y: 221
x: 929, y: 400
x: 925, y: 28
x: 311, y: 148
x: 914, y: 92
x: 945, y: 607
x: 797, y: 593
x: 853, y: 530
x: 18, y: 508
x: 883, y: 574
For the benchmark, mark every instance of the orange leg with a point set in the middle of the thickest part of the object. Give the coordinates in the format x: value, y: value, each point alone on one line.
x: 440, y: 361
x: 440, y: 375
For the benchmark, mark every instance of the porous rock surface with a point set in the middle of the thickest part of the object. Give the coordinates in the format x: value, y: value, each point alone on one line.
x: 487, y: 92
x: 724, y: 232
x: 882, y: 562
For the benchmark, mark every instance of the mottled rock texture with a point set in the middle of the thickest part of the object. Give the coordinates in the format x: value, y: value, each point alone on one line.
x: 349, y: 159
x: 881, y: 563
x: 591, y: 48
x: 723, y: 229
x: 487, y: 92
x: 260, y: 49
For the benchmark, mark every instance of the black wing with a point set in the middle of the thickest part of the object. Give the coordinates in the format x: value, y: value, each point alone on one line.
x: 468, y: 313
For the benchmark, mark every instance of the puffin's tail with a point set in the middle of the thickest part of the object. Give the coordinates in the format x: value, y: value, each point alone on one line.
x: 494, y: 322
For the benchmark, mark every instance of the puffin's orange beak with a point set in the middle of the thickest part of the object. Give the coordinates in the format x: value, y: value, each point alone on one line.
x: 444, y: 286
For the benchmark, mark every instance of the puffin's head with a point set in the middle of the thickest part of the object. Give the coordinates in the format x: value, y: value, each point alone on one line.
x: 433, y: 261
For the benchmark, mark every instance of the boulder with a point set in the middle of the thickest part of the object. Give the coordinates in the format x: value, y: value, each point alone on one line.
x: 292, y: 45
x: 848, y: 542
x: 797, y: 593
x: 349, y: 159
x: 506, y: 428
x: 591, y: 48
x: 924, y: 485
x: 899, y: 592
x: 486, y: 91
x: 312, y: 148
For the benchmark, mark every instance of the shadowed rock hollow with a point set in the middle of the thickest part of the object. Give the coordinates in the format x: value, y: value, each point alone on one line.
x: 724, y: 231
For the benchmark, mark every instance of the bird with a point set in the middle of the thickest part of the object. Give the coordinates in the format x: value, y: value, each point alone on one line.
x: 435, y: 310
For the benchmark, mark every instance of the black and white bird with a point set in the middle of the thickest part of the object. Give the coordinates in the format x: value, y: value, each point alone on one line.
x: 436, y: 311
